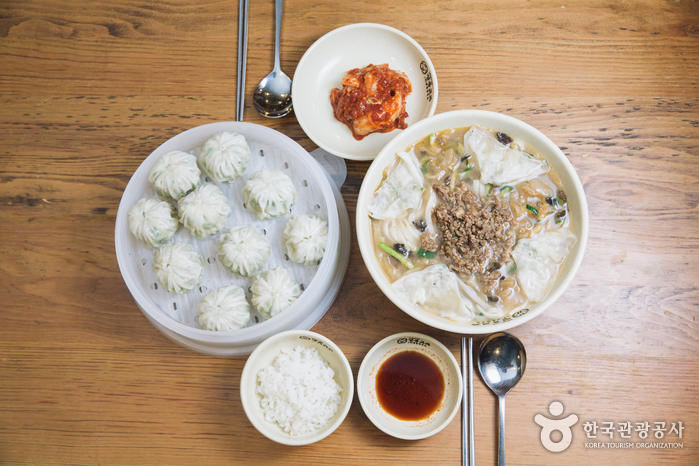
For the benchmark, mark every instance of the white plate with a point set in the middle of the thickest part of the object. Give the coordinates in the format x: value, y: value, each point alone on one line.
x: 324, y: 65
x: 366, y: 385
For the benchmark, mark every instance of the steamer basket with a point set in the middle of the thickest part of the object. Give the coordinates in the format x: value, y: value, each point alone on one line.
x: 175, y: 316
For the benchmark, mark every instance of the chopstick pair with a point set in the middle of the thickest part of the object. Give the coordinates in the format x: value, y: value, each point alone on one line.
x: 468, y: 450
x: 242, y: 58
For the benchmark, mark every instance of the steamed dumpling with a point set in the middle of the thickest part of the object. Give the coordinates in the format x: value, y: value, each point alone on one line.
x: 269, y: 193
x: 174, y: 175
x: 304, y: 238
x: 178, y: 267
x: 225, y: 157
x: 204, y: 211
x: 274, y: 291
x: 538, y: 258
x: 435, y: 289
x: 401, y: 192
x: 244, y: 250
x: 225, y: 308
x: 500, y: 164
x: 153, y: 222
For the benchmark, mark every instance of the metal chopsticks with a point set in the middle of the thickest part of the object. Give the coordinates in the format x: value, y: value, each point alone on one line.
x: 468, y: 450
x: 242, y: 58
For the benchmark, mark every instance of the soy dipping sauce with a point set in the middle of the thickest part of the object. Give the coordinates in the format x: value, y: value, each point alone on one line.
x: 410, y: 386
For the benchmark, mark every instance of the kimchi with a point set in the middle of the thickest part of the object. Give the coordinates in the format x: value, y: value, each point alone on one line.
x: 372, y: 100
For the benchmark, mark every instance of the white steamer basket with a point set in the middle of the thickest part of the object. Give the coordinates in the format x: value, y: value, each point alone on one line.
x: 175, y: 316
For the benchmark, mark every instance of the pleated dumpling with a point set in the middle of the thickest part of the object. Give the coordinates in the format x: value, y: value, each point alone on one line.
x: 204, y: 211
x: 178, y: 267
x: 153, y: 222
x: 269, y: 194
x: 304, y: 238
x: 174, y: 175
x: 274, y: 291
x: 225, y: 308
x: 225, y: 157
x: 244, y: 250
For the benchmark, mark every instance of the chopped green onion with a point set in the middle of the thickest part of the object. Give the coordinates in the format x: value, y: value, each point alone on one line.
x: 505, y: 189
x: 433, y: 136
x: 426, y: 254
x: 488, y: 188
x: 532, y: 209
x: 423, y: 167
x: 460, y: 148
x: 512, y: 269
x: 480, y: 314
x: 467, y: 169
x: 559, y: 221
x: 404, y: 260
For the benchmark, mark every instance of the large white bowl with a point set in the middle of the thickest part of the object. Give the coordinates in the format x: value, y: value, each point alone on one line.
x: 577, y: 205
x: 264, y: 356
x: 324, y: 65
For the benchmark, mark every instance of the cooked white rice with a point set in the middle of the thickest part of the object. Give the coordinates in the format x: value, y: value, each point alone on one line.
x: 298, y: 391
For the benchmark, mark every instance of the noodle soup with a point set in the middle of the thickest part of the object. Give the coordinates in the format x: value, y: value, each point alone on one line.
x: 470, y: 224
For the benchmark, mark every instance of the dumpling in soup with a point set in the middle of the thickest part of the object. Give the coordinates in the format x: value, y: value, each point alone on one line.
x: 400, y: 192
x: 500, y: 164
x: 436, y: 290
x: 538, y: 259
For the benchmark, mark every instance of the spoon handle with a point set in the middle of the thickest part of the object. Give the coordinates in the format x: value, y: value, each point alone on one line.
x: 278, y: 7
x: 501, y: 432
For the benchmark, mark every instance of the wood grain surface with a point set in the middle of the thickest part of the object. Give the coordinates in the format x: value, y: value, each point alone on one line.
x: 89, y: 89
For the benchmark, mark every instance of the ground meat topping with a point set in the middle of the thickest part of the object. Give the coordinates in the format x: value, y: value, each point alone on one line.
x: 428, y: 243
x: 475, y: 233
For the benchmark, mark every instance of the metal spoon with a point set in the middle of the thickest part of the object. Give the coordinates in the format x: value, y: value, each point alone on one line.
x: 501, y: 361
x: 272, y: 98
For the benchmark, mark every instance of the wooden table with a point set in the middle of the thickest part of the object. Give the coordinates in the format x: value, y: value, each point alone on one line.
x: 87, y: 91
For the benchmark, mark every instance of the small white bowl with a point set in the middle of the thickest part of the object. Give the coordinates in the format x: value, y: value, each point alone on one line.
x: 324, y: 65
x: 366, y: 386
x: 499, y: 122
x: 265, y: 354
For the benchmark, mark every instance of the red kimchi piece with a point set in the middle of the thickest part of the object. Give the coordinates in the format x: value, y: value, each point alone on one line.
x: 372, y: 100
